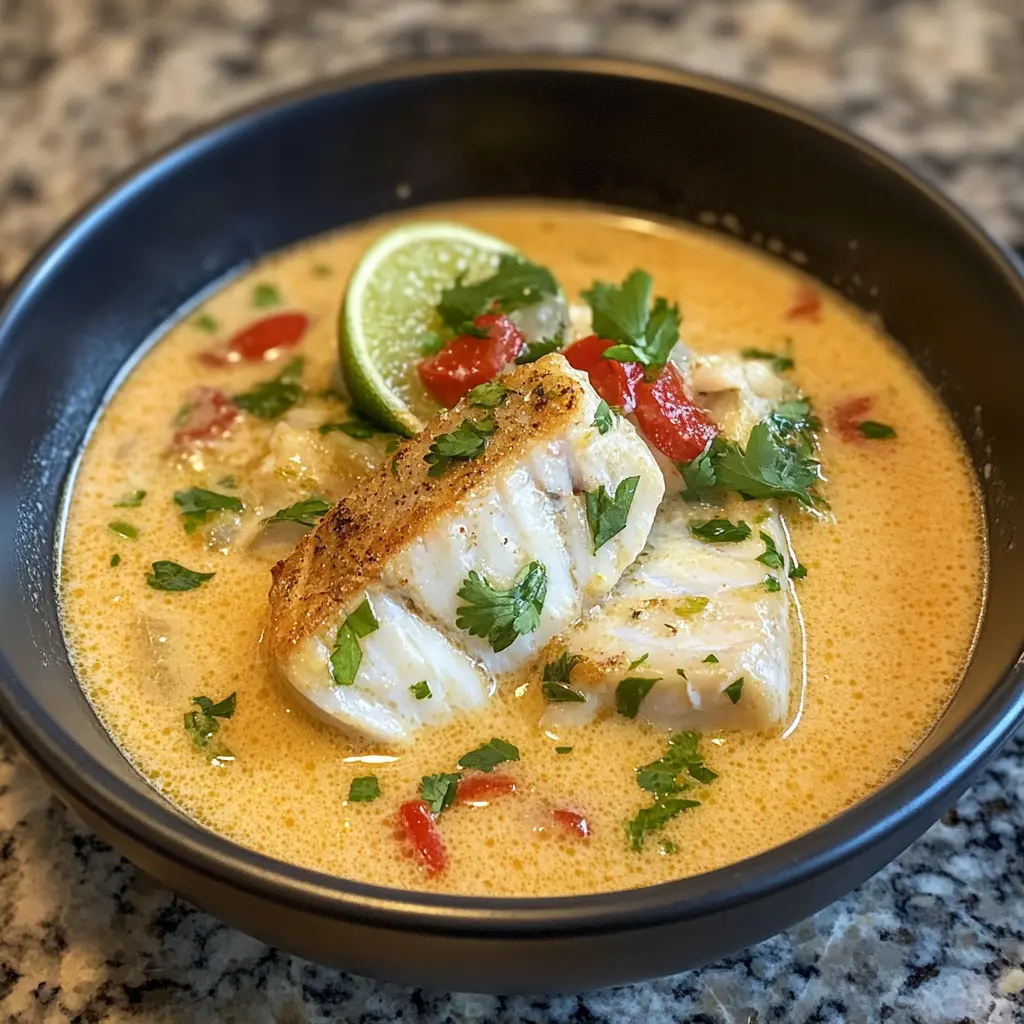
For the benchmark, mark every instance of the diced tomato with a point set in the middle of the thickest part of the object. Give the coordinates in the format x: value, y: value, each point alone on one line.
x: 207, y: 414
x: 261, y: 340
x: 806, y: 304
x: 482, y: 788
x: 615, y: 382
x: 849, y: 415
x: 466, y: 361
x: 573, y: 823
x: 669, y: 418
x: 420, y: 829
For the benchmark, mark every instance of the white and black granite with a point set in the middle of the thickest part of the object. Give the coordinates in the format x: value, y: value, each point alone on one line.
x: 87, y: 87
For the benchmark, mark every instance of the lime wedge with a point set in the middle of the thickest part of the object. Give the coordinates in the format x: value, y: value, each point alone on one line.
x: 389, y: 310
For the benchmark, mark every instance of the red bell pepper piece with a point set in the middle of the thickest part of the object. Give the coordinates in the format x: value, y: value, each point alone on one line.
x: 260, y: 340
x: 420, y: 829
x: 208, y: 413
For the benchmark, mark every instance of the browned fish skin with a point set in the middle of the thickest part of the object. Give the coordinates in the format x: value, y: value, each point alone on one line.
x: 352, y: 545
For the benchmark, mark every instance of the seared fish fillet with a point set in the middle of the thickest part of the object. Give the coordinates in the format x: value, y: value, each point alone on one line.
x: 407, y: 542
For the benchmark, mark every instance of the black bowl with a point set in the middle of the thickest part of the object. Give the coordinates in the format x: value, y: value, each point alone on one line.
x: 652, y: 140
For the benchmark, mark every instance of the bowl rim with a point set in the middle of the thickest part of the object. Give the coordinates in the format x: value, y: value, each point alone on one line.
x: 147, y: 819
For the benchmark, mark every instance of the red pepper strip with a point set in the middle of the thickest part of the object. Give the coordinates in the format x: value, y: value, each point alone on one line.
x: 806, y: 304
x: 209, y: 413
x: 670, y: 420
x: 420, y: 830
x: 575, y: 824
x: 466, y: 361
x: 481, y: 789
x: 849, y: 415
x: 615, y: 382
x: 260, y: 340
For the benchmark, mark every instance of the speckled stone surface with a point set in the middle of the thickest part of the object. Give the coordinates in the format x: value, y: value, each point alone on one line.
x: 87, y: 87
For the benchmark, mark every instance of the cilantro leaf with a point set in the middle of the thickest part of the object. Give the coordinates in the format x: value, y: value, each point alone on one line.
x: 306, y: 512
x: 630, y: 694
x: 720, y: 531
x: 654, y: 818
x: 347, y: 655
x: 516, y: 283
x: 363, y: 789
x: 355, y: 426
x: 222, y: 709
x: 637, y: 662
x: 205, y: 322
x: 768, y: 468
x: 779, y: 363
x: 563, y: 750
x: 132, y: 500
x: 171, y: 576
x: 734, y: 690
x: 699, y: 475
x: 503, y: 615
x: 421, y: 690
x: 202, y: 725
x: 467, y: 441
x: 431, y: 343
x: 772, y: 584
x: 488, y: 395
x: 266, y: 295
x: 798, y: 572
x: 439, y: 790
x: 273, y: 398
x: 607, y: 515
x: 770, y: 556
x: 115, y: 560
x: 535, y: 349
x: 123, y: 529
x: 875, y: 431
x: 197, y: 503
x: 487, y: 757
x: 555, y: 683
x: 604, y: 418
x: 711, y: 660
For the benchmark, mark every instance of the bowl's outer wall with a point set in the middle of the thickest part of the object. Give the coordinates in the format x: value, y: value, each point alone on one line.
x: 332, y: 158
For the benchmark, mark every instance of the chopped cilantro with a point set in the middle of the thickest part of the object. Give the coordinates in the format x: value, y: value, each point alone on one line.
x: 692, y: 605
x: 171, y: 576
x: 488, y: 395
x: 630, y: 693
x: 421, y: 690
x: 606, y: 514
x: 563, y: 750
x: 711, y: 660
x: 604, y: 418
x: 197, y: 504
x: 131, y: 500
x: 487, y: 757
x: 876, y: 431
x: 770, y: 556
x: 734, y: 690
x: 502, y: 615
x: 779, y: 363
x: 654, y: 818
x: 266, y: 295
x: 439, y: 790
x: 205, y: 322
x: 306, y: 512
x: 392, y: 444
x: 555, y: 683
x: 347, y: 654
x: 720, y: 531
x: 636, y: 663
x: 431, y: 343
x: 123, y: 529
x: 394, y: 466
x: 202, y: 725
x: 467, y: 441
x: 772, y: 584
x: 681, y: 672
x: 622, y: 314
x: 355, y: 426
x: 516, y: 283
x: 115, y: 561
x: 273, y: 398
x: 535, y: 349
x: 798, y: 572
x: 669, y: 847
x: 363, y: 789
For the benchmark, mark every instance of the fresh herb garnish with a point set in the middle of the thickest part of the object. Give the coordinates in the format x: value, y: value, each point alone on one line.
x: 734, y: 690
x: 363, y: 789
x: 681, y: 672
x: 421, y: 690
x: 466, y: 441
x: 202, y: 725
x: 439, y: 790
x: 772, y: 584
x: 875, y: 431
x: 770, y: 556
x: 355, y: 426
x: 622, y: 313
x: 630, y: 693
x: 535, y: 349
x: 306, y: 512
x: 637, y: 662
x: 798, y: 572
x: 693, y: 605
x: 347, y: 654
x: 273, y: 398
x: 699, y: 475
x: 431, y: 343
x: 488, y: 395
x: 711, y: 660
x: 563, y: 750
x: 115, y: 560
x: 720, y: 531
x: 266, y: 295
x: 171, y: 576
x: 516, y: 283
x: 606, y: 514
x: 779, y: 363
x: 555, y: 683
x: 502, y: 615
x: 132, y: 500
x: 668, y: 847
x: 227, y: 481
x: 197, y: 504
x: 123, y: 529
x: 394, y: 466
x: 205, y: 322
x: 654, y: 818
x: 604, y: 418
x: 487, y: 757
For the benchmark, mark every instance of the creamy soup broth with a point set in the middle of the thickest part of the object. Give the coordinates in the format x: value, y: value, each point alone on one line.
x: 889, y: 605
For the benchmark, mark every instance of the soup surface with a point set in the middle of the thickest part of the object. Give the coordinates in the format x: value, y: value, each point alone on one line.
x: 881, y: 626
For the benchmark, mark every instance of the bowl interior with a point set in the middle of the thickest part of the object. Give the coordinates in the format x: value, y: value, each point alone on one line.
x: 652, y: 142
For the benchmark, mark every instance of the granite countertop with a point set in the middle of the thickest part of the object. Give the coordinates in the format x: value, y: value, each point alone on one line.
x: 87, y: 87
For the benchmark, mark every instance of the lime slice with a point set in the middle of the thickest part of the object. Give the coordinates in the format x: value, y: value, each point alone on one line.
x: 389, y: 308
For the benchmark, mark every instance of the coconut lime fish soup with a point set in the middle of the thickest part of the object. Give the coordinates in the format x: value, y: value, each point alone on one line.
x: 521, y: 549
